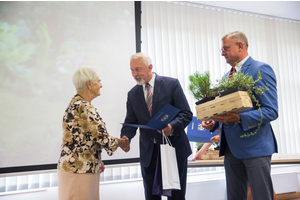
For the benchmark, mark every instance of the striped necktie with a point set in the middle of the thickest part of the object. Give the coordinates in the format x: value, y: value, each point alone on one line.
x: 149, y: 98
x: 232, y: 70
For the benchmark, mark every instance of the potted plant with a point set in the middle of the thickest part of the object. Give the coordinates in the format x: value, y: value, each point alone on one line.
x: 201, y: 87
x: 240, y: 81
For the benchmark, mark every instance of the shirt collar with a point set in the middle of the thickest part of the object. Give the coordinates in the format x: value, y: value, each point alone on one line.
x: 240, y: 64
x: 151, y: 82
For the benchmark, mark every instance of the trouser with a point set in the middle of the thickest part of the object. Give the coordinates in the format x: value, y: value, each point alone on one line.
x: 240, y: 172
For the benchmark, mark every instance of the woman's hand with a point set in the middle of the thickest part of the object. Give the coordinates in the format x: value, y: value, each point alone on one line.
x: 102, y: 167
x: 197, y: 156
x: 201, y: 151
x: 123, y: 142
x: 215, y: 138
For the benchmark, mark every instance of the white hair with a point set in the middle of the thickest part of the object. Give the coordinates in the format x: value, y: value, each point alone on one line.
x: 146, y: 59
x: 82, y: 75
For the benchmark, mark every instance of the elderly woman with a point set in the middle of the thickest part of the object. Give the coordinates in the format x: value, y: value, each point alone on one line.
x: 84, y: 136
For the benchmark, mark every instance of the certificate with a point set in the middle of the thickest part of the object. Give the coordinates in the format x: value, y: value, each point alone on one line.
x: 196, y: 133
x: 160, y: 120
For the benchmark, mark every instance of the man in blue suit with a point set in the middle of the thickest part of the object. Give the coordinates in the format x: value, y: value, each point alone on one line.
x: 248, y: 159
x: 165, y: 90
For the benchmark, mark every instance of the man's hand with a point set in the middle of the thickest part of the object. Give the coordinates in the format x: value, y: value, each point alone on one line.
x: 125, y: 147
x: 230, y: 117
x: 167, y: 130
x: 208, y: 125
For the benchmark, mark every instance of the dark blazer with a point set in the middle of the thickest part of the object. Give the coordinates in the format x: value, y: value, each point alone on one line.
x: 166, y: 90
x: 263, y: 143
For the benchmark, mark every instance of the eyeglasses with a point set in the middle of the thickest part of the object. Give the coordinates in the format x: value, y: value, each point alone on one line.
x: 225, y: 48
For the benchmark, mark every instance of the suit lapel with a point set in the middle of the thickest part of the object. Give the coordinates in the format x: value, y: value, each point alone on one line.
x: 246, y: 65
x: 157, y: 88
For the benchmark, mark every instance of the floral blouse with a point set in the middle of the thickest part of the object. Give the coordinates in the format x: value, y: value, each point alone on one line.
x: 84, y: 136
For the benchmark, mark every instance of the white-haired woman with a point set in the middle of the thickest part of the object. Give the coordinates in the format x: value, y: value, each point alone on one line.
x: 84, y: 136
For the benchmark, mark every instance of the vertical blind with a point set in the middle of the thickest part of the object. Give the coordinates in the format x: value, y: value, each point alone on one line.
x: 182, y: 38
x: 12, y: 184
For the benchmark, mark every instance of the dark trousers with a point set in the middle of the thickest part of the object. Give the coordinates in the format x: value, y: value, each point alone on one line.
x: 148, y: 178
x: 240, y: 172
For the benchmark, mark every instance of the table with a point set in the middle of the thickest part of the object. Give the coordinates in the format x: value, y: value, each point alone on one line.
x: 216, y: 163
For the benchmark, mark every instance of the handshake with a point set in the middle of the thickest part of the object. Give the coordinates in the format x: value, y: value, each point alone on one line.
x: 124, y: 143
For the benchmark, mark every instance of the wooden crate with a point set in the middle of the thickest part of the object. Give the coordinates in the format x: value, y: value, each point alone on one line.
x: 211, y: 155
x: 234, y: 102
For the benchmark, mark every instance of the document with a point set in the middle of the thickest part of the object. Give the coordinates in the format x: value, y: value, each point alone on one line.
x: 160, y: 120
x: 196, y: 133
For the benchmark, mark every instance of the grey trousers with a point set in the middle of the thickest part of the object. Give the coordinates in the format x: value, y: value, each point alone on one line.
x: 240, y: 172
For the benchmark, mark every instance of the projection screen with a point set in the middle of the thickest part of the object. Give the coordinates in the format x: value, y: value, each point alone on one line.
x: 41, y: 46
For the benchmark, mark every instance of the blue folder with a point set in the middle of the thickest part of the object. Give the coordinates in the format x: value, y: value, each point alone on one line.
x: 196, y: 133
x: 160, y: 120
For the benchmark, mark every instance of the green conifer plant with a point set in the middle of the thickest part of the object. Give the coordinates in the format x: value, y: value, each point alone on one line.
x: 200, y: 85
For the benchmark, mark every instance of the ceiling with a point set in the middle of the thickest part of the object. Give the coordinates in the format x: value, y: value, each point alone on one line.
x: 282, y: 9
